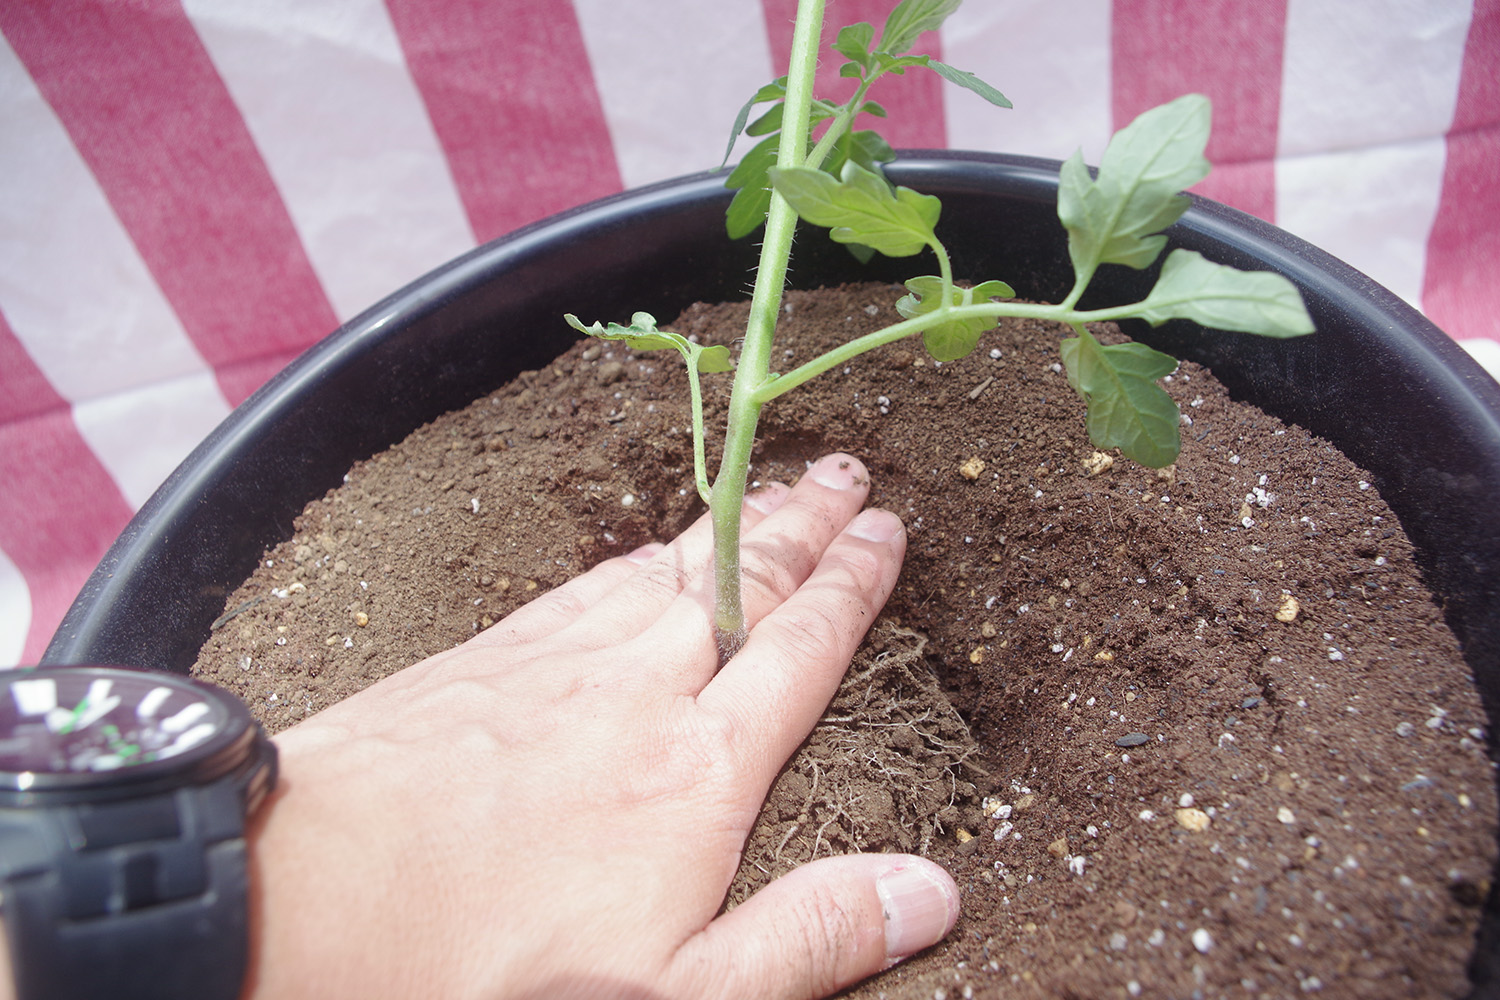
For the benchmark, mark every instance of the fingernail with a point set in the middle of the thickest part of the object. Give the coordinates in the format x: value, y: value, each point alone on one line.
x: 645, y: 553
x: 875, y: 526
x: 919, y: 909
x: 838, y: 472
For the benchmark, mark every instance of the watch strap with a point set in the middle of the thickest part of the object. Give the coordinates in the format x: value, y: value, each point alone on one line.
x: 130, y: 899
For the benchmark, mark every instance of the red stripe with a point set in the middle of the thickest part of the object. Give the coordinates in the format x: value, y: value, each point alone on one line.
x: 136, y: 91
x: 914, y: 100
x: 27, y: 393
x: 240, y: 380
x: 59, y: 508
x: 1463, y: 250
x: 1230, y: 51
x: 509, y: 92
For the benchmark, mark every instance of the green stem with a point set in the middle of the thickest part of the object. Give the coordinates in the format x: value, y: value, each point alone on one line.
x: 945, y: 269
x: 755, y: 356
x: 897, y: 331
x: 839, y: 124
x: 700, y: 460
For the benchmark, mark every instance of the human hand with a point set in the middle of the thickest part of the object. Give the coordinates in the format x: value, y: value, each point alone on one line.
x: 557, y: 807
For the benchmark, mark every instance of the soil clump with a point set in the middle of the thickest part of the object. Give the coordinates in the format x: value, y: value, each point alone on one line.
x: 1199, y: 732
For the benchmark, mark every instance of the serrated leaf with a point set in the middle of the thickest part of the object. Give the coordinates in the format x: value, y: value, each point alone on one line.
x: 773, y: 91
x: 1224, y: 298
x: 1114, y: 219
x: 854, y: 42
x: 953, y: 339
x: 969, y: 81
x: 643, y: 335
x: 1126, y: 407
x: 909, y: 20
x: 860, y: 207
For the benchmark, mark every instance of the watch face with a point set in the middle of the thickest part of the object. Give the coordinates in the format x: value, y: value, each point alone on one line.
x: 93, y: 721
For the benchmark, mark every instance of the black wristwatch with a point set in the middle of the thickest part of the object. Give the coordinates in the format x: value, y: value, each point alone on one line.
x: 124, y: 796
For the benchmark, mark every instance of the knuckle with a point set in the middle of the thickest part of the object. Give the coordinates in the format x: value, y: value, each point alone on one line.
x: 822, y: 625
x: 863, y: 567
x: 773, y: 571
x: 663, y: 577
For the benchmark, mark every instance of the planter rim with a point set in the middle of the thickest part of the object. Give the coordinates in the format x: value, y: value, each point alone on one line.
x: 1445, y: 367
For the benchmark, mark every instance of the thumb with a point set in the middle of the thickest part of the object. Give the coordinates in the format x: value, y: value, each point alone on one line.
x: 819, y: 928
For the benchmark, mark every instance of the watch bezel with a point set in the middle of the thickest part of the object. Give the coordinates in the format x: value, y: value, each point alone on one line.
x: 221, y: 753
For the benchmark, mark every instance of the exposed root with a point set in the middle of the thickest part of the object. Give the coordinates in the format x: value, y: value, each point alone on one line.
x: 885, y: 769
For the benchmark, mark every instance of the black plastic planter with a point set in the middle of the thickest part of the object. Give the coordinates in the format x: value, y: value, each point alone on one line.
x: 1378, y: 380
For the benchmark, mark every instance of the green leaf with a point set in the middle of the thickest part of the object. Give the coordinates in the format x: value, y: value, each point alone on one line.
x: 909, y: 20
x: 747, y: 210
x: 774, y: 91
x: 953, y: 339
x: 866, y: 148
x: 1114, y: 219
x: 861, y: 208
x: 768, y: 122
x: 854, y: 41
x: 642, y: 335
x: 1126, y: 408
x: 712, y: 359
x: 969, y: 81
x: 1224, y: 298
x: 752, y: 169
x: 751, y: 181
x: 820, y: 111
x: 899, y: 64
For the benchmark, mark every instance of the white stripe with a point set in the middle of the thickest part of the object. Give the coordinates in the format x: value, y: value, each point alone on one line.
x: 1051, y: 59
x: 153, y: 425
x: 1372, y: 208
x: 326, y: 95
x: 15, y: 612
x: 1486, y: 352
x: 83, y: 303
x: 671, y: 76
x: 1368, y: 89
x: 1359, y: 73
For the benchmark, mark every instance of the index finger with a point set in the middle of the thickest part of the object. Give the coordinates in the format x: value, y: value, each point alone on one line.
x: 773, y: 691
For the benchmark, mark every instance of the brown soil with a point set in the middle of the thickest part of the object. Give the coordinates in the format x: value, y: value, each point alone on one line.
x: 1085, y: 697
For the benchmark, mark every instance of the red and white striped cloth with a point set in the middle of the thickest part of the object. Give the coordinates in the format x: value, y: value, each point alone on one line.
x: 194, y: 191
